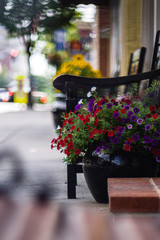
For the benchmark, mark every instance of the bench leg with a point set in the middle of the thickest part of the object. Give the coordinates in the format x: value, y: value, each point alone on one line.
x: 71, y: 181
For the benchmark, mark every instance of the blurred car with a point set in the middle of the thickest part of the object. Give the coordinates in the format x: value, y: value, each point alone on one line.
x: 40, y: 97
x: 5, y: 95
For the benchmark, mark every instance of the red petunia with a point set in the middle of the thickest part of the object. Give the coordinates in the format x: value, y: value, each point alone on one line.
x: 96, y: 120
x: 64, y: 123
x: 81, y: 117
x: 90, y: 135
x: 105, y: 130
x: 100, y: 131
x: 65, y: 139
x: 99, y: 103
x: 67, y: 151
x: 87, y: 119
x: 70, y: 121
x: 123, y: 110
x: 113, y: 100
x: 128, y: 101
x: 94, y: 131
x: 130, y: 140
x: 77, y: 151
x: 110, y: 134
x: 156, y: 152
x: 70, y: 135
x: 72, y: 128
x: 155, y: 116
x: 152, y: 108
x: 98, y: 110
x: 70, y: 145
x: 66, y: 115
x: 127, y: 147
x: 84, y: 121
x: 88, y: 127
x: 148, y: 115
x: 63, y: 144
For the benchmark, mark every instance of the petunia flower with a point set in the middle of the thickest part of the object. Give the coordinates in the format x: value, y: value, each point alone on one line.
x: 139, y: 121
x: 121, y: 130
x: 93, y: 89
x: 147, y: 127
x: 77, y: 107
x: 133, y: 118
x: 127, y: 107
x: 89, y: 94
x: 135, y: 137
x: 136, y: 110
x: 109, y: 105
x: 129, y: 126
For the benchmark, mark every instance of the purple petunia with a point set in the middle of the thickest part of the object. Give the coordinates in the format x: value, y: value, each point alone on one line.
x: 136, y: 110
x: 115, y: 140
x: 157, y: 134
x: 154, y: 142
x: 135, y: 137
x: 158, y: 158
x: 147, y: 127
x: 133, y: 118
x: 129, y: 113
x: 90, y: 105
x: 123, y: 120
x: 98, y: 150
x: 109, y: 105
x: 121, y: 130
x: 118, y: 135
x: 116, y: 115
x: 115, y: 103
x: 128, y: 120
x: 139, y: 121
x: 147, y: 139
x: 103, y: 102
x: 127, y: 107
x: 129, y: 126
x: 77, y: 107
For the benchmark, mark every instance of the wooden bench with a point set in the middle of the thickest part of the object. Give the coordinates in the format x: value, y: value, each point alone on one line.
x: 76, y: 88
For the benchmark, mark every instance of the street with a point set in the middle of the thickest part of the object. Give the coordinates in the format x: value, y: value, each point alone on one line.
x: 28, y: 134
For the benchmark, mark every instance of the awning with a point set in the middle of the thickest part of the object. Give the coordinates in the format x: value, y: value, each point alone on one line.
x: 76, y: 2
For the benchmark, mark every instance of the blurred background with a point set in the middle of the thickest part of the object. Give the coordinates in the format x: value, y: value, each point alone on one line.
x: 40, y: 39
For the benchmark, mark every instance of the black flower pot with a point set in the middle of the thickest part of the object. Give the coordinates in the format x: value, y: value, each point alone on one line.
x: 99, y: 167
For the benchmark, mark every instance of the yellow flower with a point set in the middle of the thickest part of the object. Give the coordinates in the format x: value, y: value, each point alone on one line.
x: 78, y: 66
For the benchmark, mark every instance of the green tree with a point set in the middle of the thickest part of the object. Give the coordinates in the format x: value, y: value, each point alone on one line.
x: 28, y: 17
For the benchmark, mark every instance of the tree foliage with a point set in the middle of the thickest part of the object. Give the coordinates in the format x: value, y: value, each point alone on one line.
x: 26, y: 17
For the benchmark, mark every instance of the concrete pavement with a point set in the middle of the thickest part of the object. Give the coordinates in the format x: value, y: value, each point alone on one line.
x: 29, y: 133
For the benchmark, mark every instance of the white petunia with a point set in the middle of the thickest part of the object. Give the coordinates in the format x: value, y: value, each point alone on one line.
x: 89, y: 94
x: 58, y: 127
x: 93, y: 89
x: 80, y: 101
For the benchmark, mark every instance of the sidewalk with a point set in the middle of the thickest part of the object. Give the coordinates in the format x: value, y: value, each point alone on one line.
x: 30, y: 133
